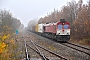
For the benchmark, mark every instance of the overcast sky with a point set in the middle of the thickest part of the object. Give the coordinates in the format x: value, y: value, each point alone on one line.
x: 26, y: 10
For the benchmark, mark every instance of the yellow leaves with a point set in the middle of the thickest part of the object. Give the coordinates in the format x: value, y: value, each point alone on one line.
x: 2, y: 47
x: 2, y: 42
x: 1, y: 50
x: 7, y: 50
x: 4, y: 37
x: 5, y: 55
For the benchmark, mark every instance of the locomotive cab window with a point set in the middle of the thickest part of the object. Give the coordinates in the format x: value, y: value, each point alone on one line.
x: 59, y: 26
x: 66, y: 26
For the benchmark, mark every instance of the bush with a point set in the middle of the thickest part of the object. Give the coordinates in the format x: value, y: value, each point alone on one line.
x: 7, y: 47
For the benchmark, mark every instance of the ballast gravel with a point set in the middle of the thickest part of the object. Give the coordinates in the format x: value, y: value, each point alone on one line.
x: 56, y: 47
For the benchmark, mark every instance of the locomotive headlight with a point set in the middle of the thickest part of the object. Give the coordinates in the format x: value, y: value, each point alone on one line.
x: 68, y: 31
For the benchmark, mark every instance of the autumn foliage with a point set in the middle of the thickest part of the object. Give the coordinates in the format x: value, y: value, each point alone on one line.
x: 78, y: 14
x: 81, y: 24
x: 8, y: 25
x: 6, y: 47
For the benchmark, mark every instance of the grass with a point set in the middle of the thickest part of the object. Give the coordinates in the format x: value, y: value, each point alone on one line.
x: 82, y: 42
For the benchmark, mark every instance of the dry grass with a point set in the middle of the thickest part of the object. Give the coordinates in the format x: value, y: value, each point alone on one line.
x: 82, y: 42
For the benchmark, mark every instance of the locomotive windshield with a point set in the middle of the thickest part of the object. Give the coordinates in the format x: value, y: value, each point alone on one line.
x: 66, y: 26
x: 59, y: 26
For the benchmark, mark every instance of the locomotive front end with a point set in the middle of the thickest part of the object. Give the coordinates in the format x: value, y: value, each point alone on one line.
x: 63, y: 30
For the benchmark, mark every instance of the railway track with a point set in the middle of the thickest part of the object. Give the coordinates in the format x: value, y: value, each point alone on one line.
x: 39, y: 50
x: 77, y: 47
x: 76, y: 50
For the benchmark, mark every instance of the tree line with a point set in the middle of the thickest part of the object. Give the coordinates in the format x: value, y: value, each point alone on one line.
x: 8, y: 23
x: 78, y: 14
x: 8, y: 26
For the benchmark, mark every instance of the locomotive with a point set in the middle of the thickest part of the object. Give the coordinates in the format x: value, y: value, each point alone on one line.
x: 59, y: 31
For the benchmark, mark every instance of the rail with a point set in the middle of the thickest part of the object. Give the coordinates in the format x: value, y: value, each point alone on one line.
x: 61, y: 57
x: 76, y: 49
